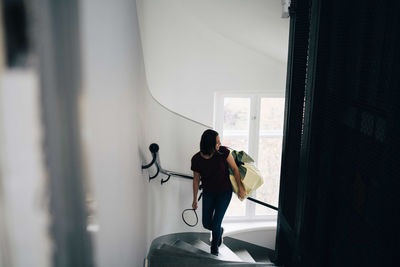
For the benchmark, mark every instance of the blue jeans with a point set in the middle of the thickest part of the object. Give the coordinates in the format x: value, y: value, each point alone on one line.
x: 214, y: 208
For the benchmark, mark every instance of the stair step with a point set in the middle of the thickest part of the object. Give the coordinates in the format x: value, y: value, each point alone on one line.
x: 227, y: 253
x: 173, y: 261
x: 258, y: 253
x: 169, y: 256
x: 200, y: 245
x: 168, y: 251
x: 244, y: 255
x: 188, y: 247
x: 224, y: 252
x: 181, y: 255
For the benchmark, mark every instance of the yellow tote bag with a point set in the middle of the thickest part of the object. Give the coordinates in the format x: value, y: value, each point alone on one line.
x: 250, y: 175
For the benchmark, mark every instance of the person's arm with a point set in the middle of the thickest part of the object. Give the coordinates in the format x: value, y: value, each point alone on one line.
x: 196, y: 182
x: 236, y: 174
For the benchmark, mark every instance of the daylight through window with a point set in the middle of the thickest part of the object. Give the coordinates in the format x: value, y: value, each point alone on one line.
x: 253, y: 123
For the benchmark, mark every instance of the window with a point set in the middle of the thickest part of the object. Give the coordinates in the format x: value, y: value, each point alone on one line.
x: 253, y: 123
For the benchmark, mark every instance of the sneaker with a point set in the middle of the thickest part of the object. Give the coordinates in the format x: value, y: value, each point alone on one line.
x: 221, y: 237
x: 214, y: 250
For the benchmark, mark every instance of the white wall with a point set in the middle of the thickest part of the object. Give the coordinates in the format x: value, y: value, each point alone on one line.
x: 24, y: 210
x: 113, y: 79
x: 179, y: 140
x: 194, y: 48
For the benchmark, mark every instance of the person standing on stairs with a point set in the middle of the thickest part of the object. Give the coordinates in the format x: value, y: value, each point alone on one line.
x: 210, y: 165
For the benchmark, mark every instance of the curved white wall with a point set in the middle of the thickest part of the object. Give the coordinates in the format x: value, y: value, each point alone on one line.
x: 111, y: 131
x: 193, y: 49
x: 179, y: 140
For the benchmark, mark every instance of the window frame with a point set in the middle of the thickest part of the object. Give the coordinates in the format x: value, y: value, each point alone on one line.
x: 253, y: 139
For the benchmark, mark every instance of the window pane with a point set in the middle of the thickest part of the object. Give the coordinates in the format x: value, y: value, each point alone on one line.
x: 269, y: 153
x: 271, y: 117
x: 236, y: 143
x: 236, y: 207
x: 236, y: 136
x: 269, y: 164
x: 236, y: 114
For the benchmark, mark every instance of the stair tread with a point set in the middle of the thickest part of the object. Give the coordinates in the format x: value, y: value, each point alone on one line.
x: 244, y: 255
x: 224, y: 252
x: 181, y: 254
x: 258, y: 253
x: 200, y: 245
x: 164, y: 252
x: 168, y: 255
x: 171, y: 260
x: 188, y: 247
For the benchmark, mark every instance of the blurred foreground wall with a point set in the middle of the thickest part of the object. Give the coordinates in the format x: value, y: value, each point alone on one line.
x: 115, y: 119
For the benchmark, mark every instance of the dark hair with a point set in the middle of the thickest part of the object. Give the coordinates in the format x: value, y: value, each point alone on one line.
x: 208, y: 142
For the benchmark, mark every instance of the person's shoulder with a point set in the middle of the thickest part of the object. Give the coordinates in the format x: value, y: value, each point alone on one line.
x: 224, y: 150
x: 196, y: 156
x: 196, y: 163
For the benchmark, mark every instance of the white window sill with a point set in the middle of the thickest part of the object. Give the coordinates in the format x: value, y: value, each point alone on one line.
x: 232, y: 227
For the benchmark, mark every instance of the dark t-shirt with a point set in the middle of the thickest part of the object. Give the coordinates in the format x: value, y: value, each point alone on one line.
x: 214, y: 171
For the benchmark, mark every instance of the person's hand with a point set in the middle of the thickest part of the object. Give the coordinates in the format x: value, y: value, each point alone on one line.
x: 194, y: 204
x: 242, y: 192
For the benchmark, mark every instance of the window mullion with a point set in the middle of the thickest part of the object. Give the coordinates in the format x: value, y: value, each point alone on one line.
x: 219, y: 113
x: 253, y: 133
x: 253, y: 142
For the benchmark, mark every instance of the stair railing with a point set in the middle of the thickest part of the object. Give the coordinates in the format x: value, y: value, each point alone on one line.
x: 154, y: 148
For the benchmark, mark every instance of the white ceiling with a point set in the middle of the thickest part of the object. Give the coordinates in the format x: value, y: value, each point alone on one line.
x: 195, y: 48
x: 256, y: 24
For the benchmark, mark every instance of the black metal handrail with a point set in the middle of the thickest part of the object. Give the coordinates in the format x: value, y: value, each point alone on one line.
x: 154, y: 151
x: 262, y: 203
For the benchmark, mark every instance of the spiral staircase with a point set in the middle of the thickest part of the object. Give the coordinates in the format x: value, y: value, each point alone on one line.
x: 193, y: 249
